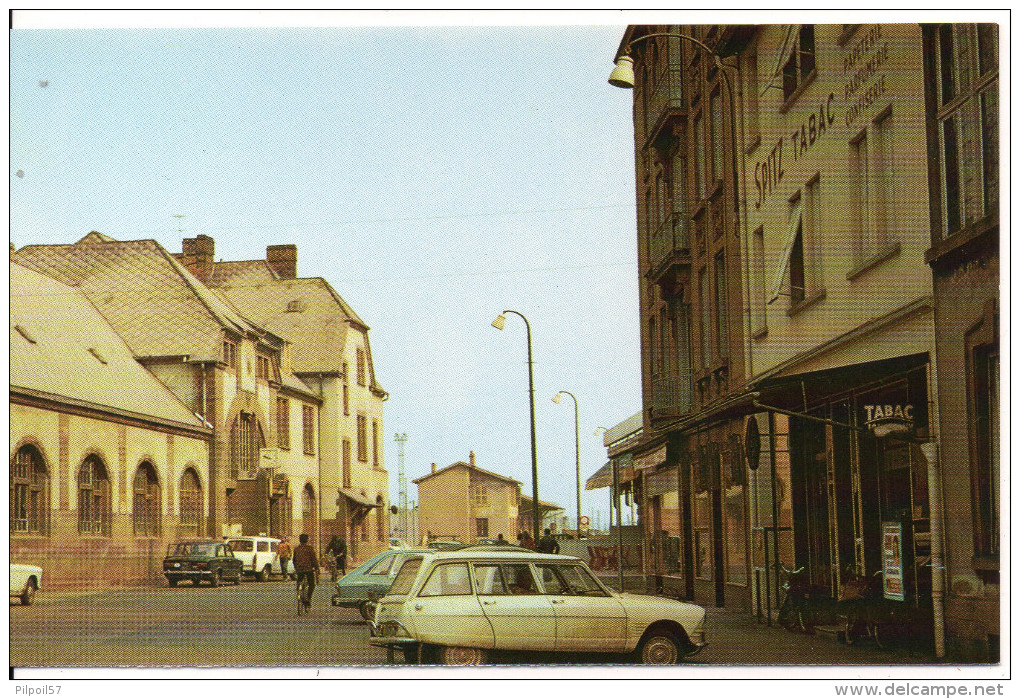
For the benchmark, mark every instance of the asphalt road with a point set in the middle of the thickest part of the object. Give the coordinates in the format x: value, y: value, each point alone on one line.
x: 256, y: 624
x: 251, y: 624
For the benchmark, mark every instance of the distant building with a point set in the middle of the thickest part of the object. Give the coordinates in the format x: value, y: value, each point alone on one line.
x: 329, y: 351
x: 465, y: 503
x: 107, y: 464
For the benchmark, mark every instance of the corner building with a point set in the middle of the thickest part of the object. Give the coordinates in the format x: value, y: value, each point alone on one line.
x: 797, y: 185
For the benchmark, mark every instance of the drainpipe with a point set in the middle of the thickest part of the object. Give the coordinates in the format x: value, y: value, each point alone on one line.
x: 930, y: 451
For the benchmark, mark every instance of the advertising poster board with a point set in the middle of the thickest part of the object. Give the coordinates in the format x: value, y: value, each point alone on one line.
x: 892, y: 561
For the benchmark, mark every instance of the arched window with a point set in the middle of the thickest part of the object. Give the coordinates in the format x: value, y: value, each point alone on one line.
x: 380, y: 519
x: 147, y: 502
x: 192, y: 504
x: 30, y: 488
x: 94, y: 504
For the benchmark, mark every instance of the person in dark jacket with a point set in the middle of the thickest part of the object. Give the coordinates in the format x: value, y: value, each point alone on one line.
x: 337, y: 548
x: 547, y: 544
x: 306, y: 565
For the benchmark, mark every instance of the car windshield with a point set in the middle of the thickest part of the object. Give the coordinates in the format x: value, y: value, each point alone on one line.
x: 194, y: 549
x: 408, y: 572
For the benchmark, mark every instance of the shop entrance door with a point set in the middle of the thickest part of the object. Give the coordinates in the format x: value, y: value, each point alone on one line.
x: 811, y: 500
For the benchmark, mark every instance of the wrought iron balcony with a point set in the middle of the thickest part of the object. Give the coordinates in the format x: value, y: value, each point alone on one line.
x: 665, y: 107
x: 669, y: 245
x: 672, y: 394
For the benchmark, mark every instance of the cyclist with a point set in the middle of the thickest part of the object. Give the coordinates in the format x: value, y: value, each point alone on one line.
x: 306, y: 565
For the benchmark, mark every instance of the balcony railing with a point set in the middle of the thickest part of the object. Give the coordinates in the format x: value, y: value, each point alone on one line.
x: 665, y: 101
x: 672, y: 393
x: 669, y: 242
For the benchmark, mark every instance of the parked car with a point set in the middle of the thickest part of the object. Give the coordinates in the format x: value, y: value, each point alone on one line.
x: 455, y: 607
x: 364, y: 585
x: 201, y: 560
x: 257, y: 555
x: 25, y: 581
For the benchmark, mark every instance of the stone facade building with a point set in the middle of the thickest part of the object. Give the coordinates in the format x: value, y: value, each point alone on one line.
x: 329, y: 351
x: 107, y: 464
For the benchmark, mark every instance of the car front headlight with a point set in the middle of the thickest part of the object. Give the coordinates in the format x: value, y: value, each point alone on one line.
x: 393, y: 629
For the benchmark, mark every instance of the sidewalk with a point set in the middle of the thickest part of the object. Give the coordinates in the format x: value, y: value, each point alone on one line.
x: 739, y: 638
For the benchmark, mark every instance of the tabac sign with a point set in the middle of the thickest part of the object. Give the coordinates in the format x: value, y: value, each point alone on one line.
x: 889, y: 419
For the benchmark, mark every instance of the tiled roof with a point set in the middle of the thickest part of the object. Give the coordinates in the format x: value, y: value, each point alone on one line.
x: 306, y: 311
x: 151, y: 300
x: 61, y: 346
x: 463, y: 464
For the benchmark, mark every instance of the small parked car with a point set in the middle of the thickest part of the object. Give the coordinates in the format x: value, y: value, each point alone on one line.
x: 201, y: 560
x: 364, y: 585
x: 455, y: 607
x: 257, y: 555
x: 25, y: 581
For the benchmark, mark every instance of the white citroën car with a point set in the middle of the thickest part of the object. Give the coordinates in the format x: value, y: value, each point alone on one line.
x: 454, y: 607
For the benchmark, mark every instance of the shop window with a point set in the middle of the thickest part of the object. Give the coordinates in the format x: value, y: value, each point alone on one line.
x: 191, y: 504
x: 94, y: 498
x: 967, y: 87
x: 145, y: 514
x: 30, y: 488
x: 801, y: 63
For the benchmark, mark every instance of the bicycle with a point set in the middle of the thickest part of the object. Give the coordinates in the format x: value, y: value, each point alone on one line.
x: 791, y: 614
x: 304, y: 597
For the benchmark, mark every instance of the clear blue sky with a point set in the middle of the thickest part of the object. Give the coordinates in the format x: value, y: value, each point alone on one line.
x: 434, y: 175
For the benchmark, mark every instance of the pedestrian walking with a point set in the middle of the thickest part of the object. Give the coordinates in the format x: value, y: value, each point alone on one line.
x: 337, y: 549
x: 285, y: 551
x: 547, y: 544
x: 306, y: 565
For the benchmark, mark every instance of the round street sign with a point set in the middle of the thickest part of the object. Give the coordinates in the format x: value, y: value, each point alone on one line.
x: 584, y: 520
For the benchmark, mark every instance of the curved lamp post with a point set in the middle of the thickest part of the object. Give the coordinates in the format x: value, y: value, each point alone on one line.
x: 537, y: 520
x: 577, y: 451
x: 623, y: 76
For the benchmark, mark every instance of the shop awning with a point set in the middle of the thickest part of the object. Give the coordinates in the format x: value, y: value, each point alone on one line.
x: 603, y: 478
x: 358, y: 499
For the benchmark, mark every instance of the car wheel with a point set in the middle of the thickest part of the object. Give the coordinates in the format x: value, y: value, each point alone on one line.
x: 410, y: 655
x: 367, y: 610
x: 172, y: 582
x: 659, y: 648
x: 217, y: 578
x: 29, y: 594
x: 454, y: 655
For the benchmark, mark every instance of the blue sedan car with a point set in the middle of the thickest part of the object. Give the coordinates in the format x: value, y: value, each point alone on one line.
x: 371, y: 580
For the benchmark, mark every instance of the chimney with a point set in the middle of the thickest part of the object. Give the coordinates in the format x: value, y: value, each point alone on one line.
x: 283, y: 260
x: 471, y: 459
x: 433, y: 467
x: 197, y: 255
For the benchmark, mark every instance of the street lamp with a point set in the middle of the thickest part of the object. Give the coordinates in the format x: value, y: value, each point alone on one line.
x: 537, y: 521
x: 577, y: 450
x: 623, y: 76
